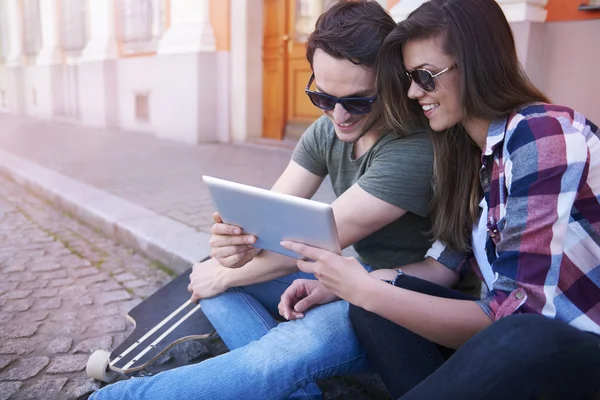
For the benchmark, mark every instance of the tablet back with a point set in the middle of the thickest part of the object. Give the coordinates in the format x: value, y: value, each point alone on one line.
x: 274, y: 217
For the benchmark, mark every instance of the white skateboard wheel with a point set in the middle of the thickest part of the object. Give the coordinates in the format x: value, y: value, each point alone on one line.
x: 97, y: 367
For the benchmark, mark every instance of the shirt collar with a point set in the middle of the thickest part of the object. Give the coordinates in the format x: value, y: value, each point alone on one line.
x: 495, y: 135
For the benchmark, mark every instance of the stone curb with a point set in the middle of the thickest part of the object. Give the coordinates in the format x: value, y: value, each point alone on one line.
x: 158, y: 237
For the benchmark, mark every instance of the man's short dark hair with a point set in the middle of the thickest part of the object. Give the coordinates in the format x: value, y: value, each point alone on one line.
x: 352, y: 30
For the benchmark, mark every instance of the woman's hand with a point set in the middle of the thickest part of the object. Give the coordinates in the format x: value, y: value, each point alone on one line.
x: 343, y: 276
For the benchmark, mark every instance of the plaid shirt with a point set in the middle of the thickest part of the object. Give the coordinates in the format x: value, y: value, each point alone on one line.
x: 541, y: 179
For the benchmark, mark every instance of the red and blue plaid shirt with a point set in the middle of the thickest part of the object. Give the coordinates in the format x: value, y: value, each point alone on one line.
x: 541, y: 179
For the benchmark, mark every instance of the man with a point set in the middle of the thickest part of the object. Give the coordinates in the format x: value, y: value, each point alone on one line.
x: 383, y: 185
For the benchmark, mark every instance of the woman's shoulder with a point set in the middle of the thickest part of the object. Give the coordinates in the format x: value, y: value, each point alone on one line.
x: 543, y: 119
x: 539, y: 112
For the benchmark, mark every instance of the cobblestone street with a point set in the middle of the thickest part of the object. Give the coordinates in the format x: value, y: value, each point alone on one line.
x: 64, y: 292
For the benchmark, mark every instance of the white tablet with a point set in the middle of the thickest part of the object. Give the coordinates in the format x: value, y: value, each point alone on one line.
x: 273, y: 217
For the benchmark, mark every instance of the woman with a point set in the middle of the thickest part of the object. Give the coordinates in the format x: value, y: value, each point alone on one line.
x: 531, y: 170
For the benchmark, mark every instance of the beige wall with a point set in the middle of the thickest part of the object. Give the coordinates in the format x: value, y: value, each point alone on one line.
x: 563, y: 59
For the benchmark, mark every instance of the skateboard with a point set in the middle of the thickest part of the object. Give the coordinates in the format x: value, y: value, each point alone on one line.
x: 163, y: 320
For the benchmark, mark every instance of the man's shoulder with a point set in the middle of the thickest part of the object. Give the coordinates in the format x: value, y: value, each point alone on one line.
x: 418, y: 142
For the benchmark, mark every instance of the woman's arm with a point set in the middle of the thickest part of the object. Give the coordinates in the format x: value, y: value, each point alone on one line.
x: 447, y: 322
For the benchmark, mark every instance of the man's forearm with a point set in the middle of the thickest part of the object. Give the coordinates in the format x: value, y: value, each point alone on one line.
x: 264, y: 267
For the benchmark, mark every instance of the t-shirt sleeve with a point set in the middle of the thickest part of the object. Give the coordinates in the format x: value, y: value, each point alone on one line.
x: 311, y: 150
x: 401, y: 173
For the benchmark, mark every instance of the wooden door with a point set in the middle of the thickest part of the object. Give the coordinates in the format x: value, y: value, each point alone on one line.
x: 287, y: 111
x: 274, y: 61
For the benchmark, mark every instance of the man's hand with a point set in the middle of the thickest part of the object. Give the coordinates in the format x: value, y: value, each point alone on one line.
x: 205, y: 280
x: 343, y: 276
x: 302, y: 295
x: 229, y: 247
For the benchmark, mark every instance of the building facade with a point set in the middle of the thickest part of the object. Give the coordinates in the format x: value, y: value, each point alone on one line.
x: 230, y: 70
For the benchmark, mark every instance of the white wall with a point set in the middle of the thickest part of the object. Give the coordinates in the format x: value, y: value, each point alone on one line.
x: 134, y: 75
x: 561, y: 59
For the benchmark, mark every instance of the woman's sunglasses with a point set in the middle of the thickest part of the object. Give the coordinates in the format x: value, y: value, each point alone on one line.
x: 425, y: 79
x: 354, y: 105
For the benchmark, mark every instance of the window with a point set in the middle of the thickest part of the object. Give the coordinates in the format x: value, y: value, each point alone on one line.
x: 32, y: 34
x: 307, y: 12
x: 3, y: 31
x: 73, y: 33
x: 141, y: 24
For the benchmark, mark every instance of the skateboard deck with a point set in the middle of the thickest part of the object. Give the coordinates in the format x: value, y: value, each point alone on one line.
x: 161, y: 321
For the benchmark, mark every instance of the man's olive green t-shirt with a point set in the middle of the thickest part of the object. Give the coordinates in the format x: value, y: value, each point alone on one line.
x: 396, y: 169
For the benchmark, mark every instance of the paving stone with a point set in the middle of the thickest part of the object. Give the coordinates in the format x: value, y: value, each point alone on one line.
x: 38, y: 284
x: 64, y: 316
x: 138, y: 283
x: 112, y: 266
x: 44, y: 267
x: 54, y: 275
x: 89, y: 313
x: 13, y: 268
x: 73, y: 290
x: 93, y: 344
x: 98, y: 277
x: 17, y: 305
x: 109, y: 324
x: 34, y: 316
x: 81, y: 272
x: 47, y: 304
x: 62, y: 282
x: 7, y: 389
x: 4, y: 285
x: 105, y: 286
x: 25, y: 368
x: 145, y: 291
x: 20, y: 277
x: 46, y: 292
x: 79, y: 386
x: 46, y: 388
x: 127, y: 306
x: 4, y: 317
x: 68, y: 363
x: 111, y: 297
x: 83, y: 301
x: 18, y: 346
x: 63, y: 328
x: 125, y: 277
x: 73, y: 261
x: 17, y: 294
x: 60, y: 345
x: 6, y: 360
x: 12, y: 331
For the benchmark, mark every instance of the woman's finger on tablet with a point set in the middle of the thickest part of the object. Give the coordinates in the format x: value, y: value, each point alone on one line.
x: 309, y: 252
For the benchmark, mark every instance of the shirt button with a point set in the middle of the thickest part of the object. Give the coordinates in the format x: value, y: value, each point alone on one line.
x: 519, y: 295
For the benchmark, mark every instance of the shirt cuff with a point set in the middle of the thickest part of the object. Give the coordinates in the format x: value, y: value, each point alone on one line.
x: 457, y: 261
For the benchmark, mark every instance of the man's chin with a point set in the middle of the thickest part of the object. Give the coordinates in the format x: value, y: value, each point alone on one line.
x: 349, y: 137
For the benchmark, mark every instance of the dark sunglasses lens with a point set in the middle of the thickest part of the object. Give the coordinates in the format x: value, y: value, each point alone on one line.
x: 424, y: 79
x: 357, y: 106
x: 322, y: 101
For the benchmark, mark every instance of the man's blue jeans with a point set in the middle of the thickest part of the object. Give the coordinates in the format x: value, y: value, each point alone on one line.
x: 267, y: 360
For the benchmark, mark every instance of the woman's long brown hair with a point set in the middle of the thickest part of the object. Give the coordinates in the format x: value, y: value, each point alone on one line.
x: 492, y: 84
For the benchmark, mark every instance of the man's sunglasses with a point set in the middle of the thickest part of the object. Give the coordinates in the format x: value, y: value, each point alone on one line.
x: 425, y: 79
x: 354, y: 105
